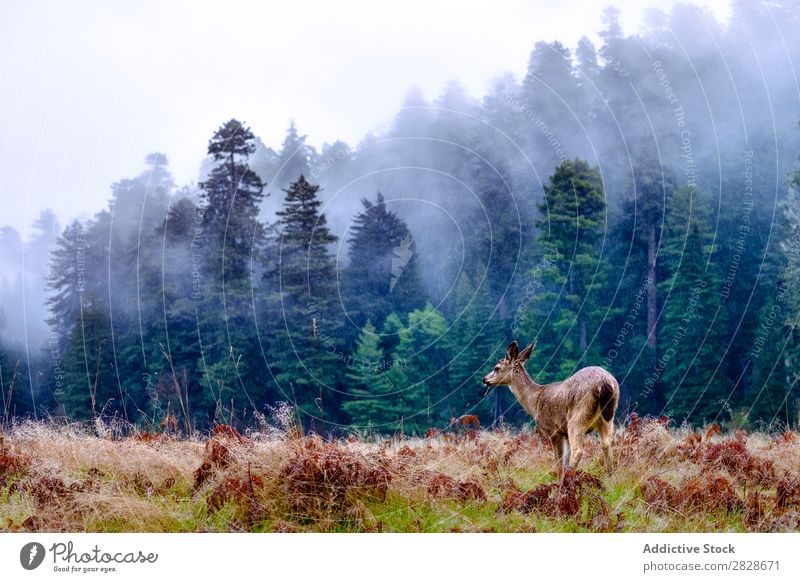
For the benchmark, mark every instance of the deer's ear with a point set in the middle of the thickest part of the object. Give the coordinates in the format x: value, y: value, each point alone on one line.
x: 526, y: 353
x: 512, y: 352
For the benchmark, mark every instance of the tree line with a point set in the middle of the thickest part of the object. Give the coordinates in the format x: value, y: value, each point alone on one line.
x: 612, y: 205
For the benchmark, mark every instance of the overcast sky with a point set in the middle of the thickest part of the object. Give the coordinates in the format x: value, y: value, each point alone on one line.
x: 87, y: 89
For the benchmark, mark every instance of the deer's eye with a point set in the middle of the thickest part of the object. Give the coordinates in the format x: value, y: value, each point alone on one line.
x: 497, y: 368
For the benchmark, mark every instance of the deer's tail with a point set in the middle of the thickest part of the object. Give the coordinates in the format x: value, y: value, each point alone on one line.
x: 607, y: 399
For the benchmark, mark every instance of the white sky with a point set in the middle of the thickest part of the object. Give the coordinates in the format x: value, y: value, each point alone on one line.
x: 87, y: 89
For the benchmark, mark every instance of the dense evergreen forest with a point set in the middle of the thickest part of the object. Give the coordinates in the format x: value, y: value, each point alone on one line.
x: 632, y: 205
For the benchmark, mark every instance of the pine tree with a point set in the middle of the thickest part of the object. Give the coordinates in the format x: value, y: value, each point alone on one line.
x: 632, y: 336
x: 475, y: 335
x: 790, y: 277
x: 19, y: 396
x: 137, y: 259
x: 46, y: 230
x: 419, y: 368
x: 230, y: 203
x: 67, y: 278
x: 497, y: 234
x: 654, y: 190
x: 772, y: 399
x: 90, y: 382
x: 135, y: 209
x: 372, y: 400
x: 382, y: 275
x: 303, y: 310
x: 293, y: 159
x: 693, y: 330
x: 414, y: 118
x: 231, y: 195
x: 80, y: 315
x: 8, y: 381
x: 566, y: 290
x: 138, y: 204
x: 775, y: 353
x: 171, y: 376
x: 306, y: 264
x: 550, y: 96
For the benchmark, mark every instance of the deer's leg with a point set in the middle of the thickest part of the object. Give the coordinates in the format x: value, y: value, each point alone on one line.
x: 606, y: 430
x: 575, y: 434
x: 557, y: 440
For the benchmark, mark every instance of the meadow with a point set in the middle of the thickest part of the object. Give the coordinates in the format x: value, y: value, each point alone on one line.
x: 74, y: 478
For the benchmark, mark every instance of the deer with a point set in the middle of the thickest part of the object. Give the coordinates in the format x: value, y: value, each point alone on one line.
x: 565, y: 410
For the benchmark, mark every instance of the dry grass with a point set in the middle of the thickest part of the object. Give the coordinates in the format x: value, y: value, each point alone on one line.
x: 65, y: 479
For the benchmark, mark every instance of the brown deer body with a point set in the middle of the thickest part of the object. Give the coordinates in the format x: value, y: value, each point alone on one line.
x: 569, y: 409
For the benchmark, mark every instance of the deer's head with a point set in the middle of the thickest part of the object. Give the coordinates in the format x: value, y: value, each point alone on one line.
x: 503, y: 372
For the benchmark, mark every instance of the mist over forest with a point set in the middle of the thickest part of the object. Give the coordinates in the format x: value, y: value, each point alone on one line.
x: 631, y: 204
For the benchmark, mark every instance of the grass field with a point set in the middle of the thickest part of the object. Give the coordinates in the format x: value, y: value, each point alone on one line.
x: 666, y: 480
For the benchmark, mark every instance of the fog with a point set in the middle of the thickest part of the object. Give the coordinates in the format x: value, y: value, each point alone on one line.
x: 88, y: 98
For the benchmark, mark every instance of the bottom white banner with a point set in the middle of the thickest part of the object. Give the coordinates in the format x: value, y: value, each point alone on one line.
x: 355, y: 557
